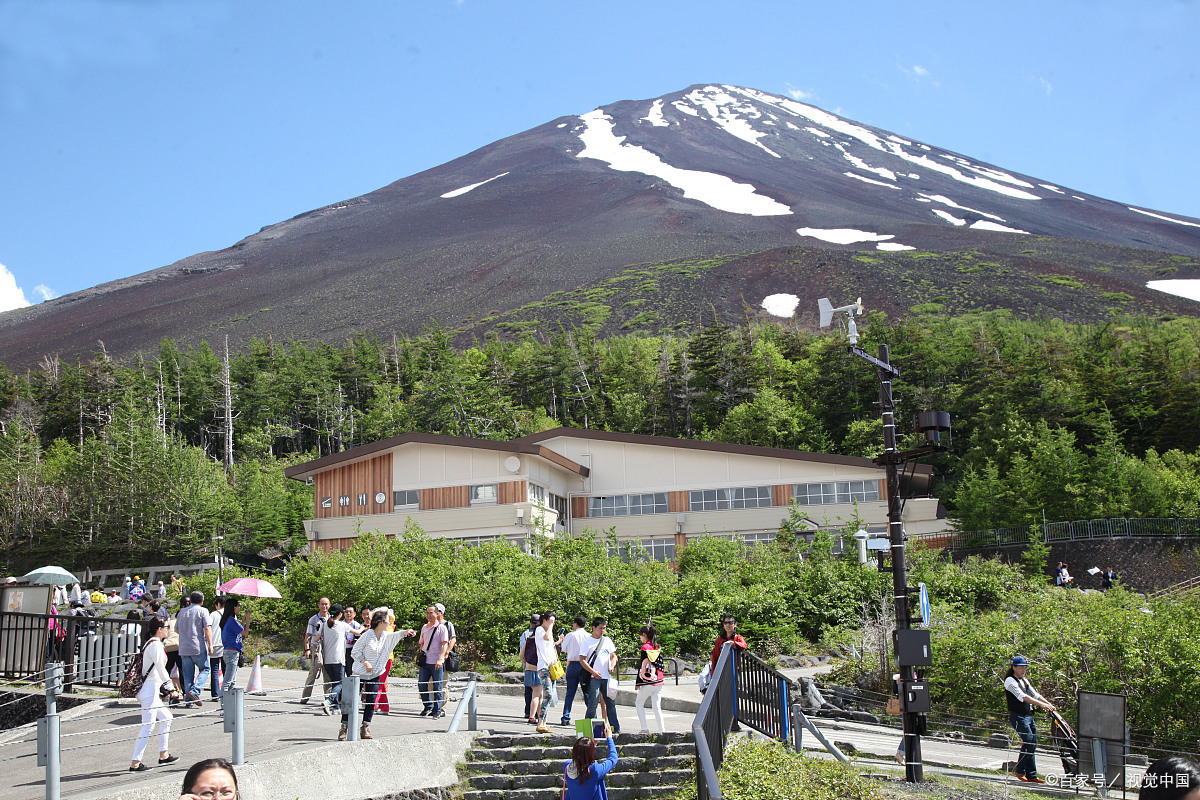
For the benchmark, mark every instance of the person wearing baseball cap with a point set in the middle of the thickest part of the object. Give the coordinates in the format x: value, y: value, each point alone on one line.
x: 1022, y: 697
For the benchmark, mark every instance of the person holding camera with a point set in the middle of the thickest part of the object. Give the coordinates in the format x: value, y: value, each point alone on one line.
x: 583, y: 778
x: 156, y: 688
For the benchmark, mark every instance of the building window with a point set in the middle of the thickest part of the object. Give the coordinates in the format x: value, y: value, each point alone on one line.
x: 537, y: 495
x: 645, y: 550
x: 484, y: 495
x: 362, y: 499
x: 626, y: 505
x: 816, y: 494
x: 344, y: 501
x: 410, y: 498
x: 326, y: 502
x: 476, y: 541
x: 759, y: 538
x: 559, y: 504
x: 723, y: 499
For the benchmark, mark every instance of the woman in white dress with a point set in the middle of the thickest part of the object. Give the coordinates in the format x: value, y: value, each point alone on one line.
x: 154, y: 672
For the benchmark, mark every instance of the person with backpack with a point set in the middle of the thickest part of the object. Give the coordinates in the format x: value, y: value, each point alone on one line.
x: 154, y: 677
x: 598, y: 659
x: 435, y: 643
x: 547, y: 655
x: 527, y: 651
x: 572, y: 646
x: 650, y: 677
x: 1021, y: 698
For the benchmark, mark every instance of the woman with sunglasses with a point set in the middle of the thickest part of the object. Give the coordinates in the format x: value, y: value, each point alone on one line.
x: 583, y: 778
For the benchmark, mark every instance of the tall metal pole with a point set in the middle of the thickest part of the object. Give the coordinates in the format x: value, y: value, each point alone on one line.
x: 54, y: 672
x: 913, y: 769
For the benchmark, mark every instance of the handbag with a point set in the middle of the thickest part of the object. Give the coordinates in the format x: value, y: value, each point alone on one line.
x: 613, y: 685
x: 556, y: 670
x: 893, y: 705
x: 453, y: 661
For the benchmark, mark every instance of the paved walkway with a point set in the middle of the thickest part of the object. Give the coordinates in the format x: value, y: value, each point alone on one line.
x: 97, y: 738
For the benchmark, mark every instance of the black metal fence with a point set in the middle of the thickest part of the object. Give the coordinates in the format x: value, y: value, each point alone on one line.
x: 1117, y: 527
x: 94, y: 652
x: 712, y: 724
x: 762, y: 696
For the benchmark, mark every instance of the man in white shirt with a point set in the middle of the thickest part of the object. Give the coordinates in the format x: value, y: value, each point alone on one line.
x: 573, y: 645
x: 599, y: 658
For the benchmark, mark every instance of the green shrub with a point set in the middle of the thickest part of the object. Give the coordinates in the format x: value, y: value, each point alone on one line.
x: 1116, y: 297
x: 1063, y: 280
x: 767, y: 770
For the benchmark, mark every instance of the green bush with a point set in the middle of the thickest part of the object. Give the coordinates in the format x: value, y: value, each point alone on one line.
x: 767, y: 770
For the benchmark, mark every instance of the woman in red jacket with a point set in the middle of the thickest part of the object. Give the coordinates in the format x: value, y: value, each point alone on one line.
x: 727, y: 633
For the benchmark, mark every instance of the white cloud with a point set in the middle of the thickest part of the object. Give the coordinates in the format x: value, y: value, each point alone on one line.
x: 920, y: 71
x: 1045, y: 85
x: 11, y: 295
x: 799, y: 94
x: 45, y: 292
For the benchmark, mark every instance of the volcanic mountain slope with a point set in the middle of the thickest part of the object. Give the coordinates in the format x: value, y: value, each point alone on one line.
x: 708, y: 172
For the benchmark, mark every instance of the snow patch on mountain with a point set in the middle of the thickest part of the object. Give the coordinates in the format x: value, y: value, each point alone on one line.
x: 1160, y: 216
x: 724, y: 109
x: 843, y: 235
x: 780, y: 305
x: 946, y: 201
x: 984, y: 225
x: 718, y: 191
x: 865, y: 179
x: 465, y: 189
x: 1180, y: 287
x: 655, y: 115
x: 984, y: 177
x: 894, y: 246
x: 946, y: 215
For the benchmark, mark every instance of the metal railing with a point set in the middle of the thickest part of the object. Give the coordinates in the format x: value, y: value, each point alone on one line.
x: 629, y: 667
x: 713, y: 723
x: 1072, y: 530
x: 1181, y: 588
x: 93, y: 651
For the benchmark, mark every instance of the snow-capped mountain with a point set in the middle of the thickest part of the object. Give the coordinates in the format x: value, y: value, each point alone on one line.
x: 710, y: 171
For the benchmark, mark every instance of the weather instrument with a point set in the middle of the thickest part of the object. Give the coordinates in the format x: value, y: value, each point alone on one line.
x: 854, y: 309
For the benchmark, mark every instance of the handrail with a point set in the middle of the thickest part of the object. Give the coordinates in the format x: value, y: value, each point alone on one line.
x: 1178, y: 588
x: 1107, y: 528
x: 715, y: 717
x: 468, y: 703
x: 675, y: 662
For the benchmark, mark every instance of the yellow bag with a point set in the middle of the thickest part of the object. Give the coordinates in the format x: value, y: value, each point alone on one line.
x: 556, y: 670
x: 893, y: 705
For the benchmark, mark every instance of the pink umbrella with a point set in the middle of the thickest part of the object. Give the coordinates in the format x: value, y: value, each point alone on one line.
x: 252, y: 587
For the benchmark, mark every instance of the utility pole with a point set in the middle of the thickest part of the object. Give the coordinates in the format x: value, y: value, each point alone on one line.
x: 914, y: 694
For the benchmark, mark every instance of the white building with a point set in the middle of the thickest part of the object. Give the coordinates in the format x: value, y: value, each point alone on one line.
x: 654, y: 490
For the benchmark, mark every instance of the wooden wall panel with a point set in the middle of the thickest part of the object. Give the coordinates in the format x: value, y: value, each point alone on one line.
x: 333, y: 545
x: 511, y: 492
x: 445, y: 497
x: 362, y: 480
x: 883, y: 489
x: 578, y: 507
x: 781, y: 494
x: 677, y: 501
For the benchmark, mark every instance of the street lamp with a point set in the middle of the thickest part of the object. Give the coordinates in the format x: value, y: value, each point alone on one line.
x: 910, y: 651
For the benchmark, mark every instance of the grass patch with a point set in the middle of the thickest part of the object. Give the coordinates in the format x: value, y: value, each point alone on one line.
x: 758, y: 770
x: 1116, y: 297
x: 1063, y: 280
x: 927, y: 308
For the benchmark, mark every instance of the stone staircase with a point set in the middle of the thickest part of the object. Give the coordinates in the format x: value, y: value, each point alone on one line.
x: 529, y: 767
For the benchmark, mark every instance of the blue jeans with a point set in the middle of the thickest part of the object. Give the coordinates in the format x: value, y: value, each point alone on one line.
x: 429, y: 683
x: 333, y: 678
x: 596, y: 689
x: 573, y: 670
x: 1027, y: 729
x: 369, y: 688
x: 214, y: 682
x: 192, y: 683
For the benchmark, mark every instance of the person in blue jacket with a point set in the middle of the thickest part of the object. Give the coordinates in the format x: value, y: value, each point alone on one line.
x: 583, y: 778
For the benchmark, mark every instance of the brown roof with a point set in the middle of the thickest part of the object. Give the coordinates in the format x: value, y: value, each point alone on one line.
x: 531, y: 445
x: 301, y: 471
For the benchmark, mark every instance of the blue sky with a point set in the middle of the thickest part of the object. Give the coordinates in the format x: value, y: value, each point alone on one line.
x: 134, y: 133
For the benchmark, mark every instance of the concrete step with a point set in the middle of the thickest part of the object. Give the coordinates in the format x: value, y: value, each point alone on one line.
x: 545, y: 766
x: 567, y: 738
x: 563, y: 752
x: 552, y: 793
x: 655, y: 777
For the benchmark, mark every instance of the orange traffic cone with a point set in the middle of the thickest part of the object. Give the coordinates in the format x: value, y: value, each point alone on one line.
x: 254, y: 685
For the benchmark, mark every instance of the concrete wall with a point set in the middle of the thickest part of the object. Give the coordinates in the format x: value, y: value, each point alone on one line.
x: 1143, y: 565
x: 396, y: 767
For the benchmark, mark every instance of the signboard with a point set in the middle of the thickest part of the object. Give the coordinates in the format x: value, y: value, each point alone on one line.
x: 925, y: 614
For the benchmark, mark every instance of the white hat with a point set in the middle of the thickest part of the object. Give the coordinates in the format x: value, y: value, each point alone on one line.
x: 441, y: 609
x: 10, y: 579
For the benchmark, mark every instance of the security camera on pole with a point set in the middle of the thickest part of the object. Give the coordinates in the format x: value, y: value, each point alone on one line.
x: 911, y: 646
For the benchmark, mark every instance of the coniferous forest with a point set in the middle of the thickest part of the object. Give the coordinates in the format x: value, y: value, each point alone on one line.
x: 111, y: 463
